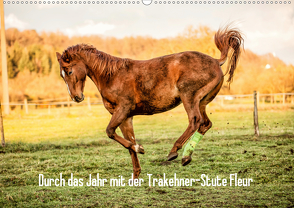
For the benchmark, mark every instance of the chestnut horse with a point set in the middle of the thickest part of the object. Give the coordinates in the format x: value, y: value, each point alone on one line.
x: 134, y: 87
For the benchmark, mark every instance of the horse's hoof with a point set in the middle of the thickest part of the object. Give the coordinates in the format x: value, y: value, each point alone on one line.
x: 186, y: 160
x: 139, y: 149
x: 172, y: 156
x: 136, y: 174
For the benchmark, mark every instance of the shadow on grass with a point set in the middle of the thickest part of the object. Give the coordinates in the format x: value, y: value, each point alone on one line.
x: 20, y: 147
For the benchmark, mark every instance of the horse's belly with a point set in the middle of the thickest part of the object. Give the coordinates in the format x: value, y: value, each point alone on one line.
x: 165, y: 104
x: 158, y: 103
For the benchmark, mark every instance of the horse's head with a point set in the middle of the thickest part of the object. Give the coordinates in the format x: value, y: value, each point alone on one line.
x: 73, y: 71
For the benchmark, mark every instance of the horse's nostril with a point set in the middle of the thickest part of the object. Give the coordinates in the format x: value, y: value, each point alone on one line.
x: 76, y: 98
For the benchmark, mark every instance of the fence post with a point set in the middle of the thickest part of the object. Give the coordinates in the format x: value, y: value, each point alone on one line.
x: 257, y: 97
x: 255, y: 115
x: 89, y: 103
x: 284, y: 98
x: 2, y: 129
x: 68, y: 105
x: 222, y: 101
x: 26, y: 105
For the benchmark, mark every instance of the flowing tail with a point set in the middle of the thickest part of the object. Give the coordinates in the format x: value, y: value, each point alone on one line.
x: 229, y: 39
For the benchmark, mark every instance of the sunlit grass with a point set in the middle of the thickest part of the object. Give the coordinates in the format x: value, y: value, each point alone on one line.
x: 39, y: 143
x: 85, y: 125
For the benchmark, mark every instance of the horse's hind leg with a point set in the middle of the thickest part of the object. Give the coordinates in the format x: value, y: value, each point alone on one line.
x: 197, y: 118
x: 206, y: 125
x: 207, y: 99
x: 127, y: 129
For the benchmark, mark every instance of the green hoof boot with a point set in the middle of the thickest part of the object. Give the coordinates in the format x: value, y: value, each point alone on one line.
x: 189, y: 148
x: 186, y: 160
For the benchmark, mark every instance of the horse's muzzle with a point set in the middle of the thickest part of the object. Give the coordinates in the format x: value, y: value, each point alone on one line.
x: 79, y: 99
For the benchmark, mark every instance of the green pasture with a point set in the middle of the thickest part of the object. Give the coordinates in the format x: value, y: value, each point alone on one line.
x: 60, y: 142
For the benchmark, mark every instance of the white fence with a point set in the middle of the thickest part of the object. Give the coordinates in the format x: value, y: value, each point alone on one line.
x: 275, y: 98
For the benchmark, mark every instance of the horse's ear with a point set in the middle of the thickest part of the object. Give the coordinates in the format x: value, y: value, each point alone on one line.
x: 58, y: 56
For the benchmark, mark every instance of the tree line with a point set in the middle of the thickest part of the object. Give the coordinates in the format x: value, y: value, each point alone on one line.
x: 34, y: 72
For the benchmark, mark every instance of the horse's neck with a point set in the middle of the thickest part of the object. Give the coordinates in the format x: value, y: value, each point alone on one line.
x: 98, y: 77
x: 94, y: 76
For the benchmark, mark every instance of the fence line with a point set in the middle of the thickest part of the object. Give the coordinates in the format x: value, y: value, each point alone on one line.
x: 273, y: 98
x: 33, y: 102
x: 222, y: 100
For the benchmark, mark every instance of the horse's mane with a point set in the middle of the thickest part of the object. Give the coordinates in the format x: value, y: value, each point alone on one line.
x: 105, y: 64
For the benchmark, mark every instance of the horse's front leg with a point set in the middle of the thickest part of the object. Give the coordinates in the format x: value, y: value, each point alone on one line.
x: 127, y: 129
x: 117, y: 118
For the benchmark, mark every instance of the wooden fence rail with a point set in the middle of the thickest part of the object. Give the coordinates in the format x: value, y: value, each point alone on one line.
x: 276, y: 98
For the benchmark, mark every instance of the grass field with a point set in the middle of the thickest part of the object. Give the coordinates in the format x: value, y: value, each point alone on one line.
x: 39, y: 143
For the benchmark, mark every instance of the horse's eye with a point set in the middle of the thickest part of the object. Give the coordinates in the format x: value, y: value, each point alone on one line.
x: 70, y: 73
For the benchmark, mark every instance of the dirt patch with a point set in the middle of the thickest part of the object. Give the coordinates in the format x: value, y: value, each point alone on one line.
x: 161, y: 191
x: 194, y: 202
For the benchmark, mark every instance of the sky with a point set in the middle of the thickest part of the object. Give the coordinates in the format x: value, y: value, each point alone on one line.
x: 268, y: 28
